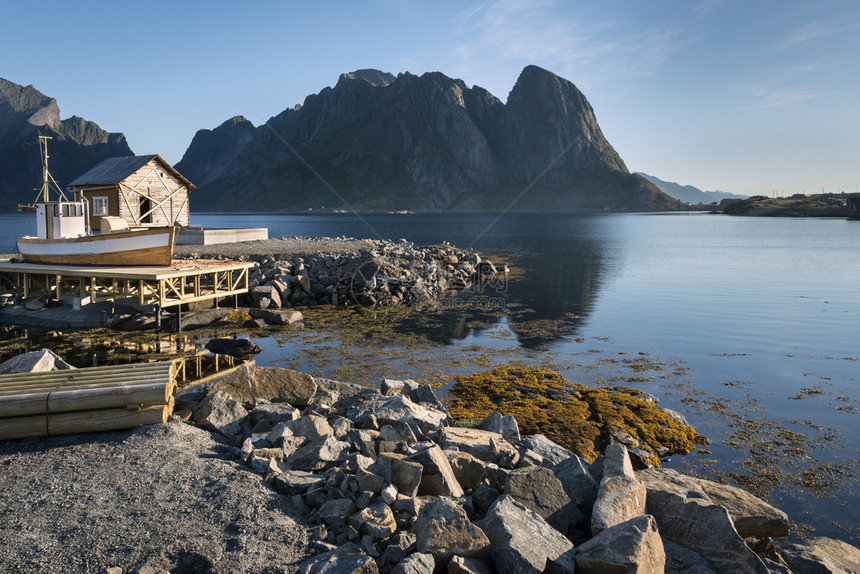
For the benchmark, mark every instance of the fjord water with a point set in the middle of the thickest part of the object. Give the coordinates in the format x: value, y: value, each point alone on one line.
x: 758, y: 320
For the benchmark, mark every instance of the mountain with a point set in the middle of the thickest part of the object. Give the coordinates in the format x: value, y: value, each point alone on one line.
x: 77, y: 144
x: 379, y: 142
x: 688, y: 193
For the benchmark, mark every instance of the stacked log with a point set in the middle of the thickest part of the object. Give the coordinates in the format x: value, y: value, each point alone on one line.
x: 85, y: 400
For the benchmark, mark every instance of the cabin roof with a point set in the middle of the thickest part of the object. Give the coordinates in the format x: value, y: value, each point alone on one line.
x: 114, y: 170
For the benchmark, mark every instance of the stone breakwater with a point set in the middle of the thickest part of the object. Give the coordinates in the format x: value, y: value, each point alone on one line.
x: 366, y: 272
x: 388, y: 484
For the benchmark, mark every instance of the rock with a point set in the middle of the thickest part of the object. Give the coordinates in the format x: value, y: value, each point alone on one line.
x: 483, y: 497
x: 443, y: 530
x: 424, y: 396
x: 271, y: 383
x: 265, y: 296
x: 620, y: 496
x: 368, y: 481
x: 468, y: 470
x: 577, y: 482
x: 540, y: 491
x: 632, y: 546
x: 688, y: 519
x: 521, y: 540
x: 504, y: 425
x: 680, y: 560
x: 750, y: 515
x: 219, y: 412
x: 277, y: 317
x: 297, y: 482
x: 552, y: 452
x: 335, y: 511
x: 463, y: 565
x: 311, y: 426
x: 347, y: 559
x: 418, y: 563
x: 399, y: 546
x: 319, y: 453
x: 437, y: 477
x: 484, y: 445
x: 404, y: 474
x: 391, y: 387
x: 394, y: 410
x: 233, y: 347
x: 34, y: 304
x: 39, y: 361
x: 822, y: 555
x: 273, y: 413
x: 376, y: 521
x: 388, y: 494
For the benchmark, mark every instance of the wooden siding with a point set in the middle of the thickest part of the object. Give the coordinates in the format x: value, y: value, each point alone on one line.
x: 103, y: 191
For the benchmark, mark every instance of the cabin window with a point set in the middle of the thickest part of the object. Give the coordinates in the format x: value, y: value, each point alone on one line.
x: 100, y: 205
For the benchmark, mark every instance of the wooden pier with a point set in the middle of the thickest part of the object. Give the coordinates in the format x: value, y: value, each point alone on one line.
x: 159, y: 287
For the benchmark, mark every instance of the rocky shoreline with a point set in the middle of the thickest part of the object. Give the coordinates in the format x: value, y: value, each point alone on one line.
x: 387, y: 484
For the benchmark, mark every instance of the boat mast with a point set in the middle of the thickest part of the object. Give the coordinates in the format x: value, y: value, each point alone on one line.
x: 47, y: 178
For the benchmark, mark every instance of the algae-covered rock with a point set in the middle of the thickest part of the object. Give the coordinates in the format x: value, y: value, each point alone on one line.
x: 580, y: 418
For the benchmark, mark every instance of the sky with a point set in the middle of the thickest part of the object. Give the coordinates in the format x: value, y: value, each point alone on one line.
x: 744, y: 96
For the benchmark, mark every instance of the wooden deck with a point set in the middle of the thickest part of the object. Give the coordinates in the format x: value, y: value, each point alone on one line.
x: 161, y: 287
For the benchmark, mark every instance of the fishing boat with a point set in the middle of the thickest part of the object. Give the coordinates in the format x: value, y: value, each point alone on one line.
x: 64, y: 235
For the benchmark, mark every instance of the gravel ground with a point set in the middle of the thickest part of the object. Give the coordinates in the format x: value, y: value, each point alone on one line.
x: 164, y: 498
x: 284, y: 248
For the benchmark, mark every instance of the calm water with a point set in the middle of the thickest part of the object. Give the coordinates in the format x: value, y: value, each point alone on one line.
x: 761, y: 316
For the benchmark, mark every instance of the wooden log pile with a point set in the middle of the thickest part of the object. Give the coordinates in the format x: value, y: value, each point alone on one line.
x: 85, y: 400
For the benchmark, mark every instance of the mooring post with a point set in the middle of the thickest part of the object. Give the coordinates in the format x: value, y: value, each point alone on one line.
x: 235, y: 301
x: 158, y: 319
x: 179, y: 318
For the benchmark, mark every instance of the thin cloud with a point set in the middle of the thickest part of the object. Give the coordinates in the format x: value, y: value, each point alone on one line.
x: 819, y: 30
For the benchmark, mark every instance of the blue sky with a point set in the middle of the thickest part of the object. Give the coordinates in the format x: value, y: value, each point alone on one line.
x: 746, y: 96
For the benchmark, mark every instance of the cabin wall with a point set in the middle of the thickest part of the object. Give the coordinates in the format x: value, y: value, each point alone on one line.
x: 90, y: 193
x: 153, y: 183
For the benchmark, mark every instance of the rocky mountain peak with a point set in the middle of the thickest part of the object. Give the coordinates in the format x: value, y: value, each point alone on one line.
x: 371, y: 76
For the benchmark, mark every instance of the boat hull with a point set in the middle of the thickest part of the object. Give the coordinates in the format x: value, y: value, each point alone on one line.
x: 148, y: 247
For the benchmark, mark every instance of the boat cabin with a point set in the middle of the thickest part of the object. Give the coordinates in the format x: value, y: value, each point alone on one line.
x: 61, y: 219
x: 143, y: 190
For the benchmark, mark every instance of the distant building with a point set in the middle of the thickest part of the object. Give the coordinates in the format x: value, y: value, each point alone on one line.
x: 143, y: 190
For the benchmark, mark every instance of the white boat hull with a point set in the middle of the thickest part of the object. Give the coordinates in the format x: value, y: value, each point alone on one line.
x: 147, y: 247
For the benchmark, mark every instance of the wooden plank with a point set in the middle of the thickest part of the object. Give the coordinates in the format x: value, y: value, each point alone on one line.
x: 70, y: 400
x: 84, y: 421
x: 87, y: 375
x: 12, y: 390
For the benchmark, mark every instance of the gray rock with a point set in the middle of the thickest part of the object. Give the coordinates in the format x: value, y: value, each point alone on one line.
x: 272, y: 413
x: 318, y: 454
x: 437, y: 478
x: 396, y: 409
x: 347, y: 559
x: 271, y: 383
x: 620, y: 496
x: 521, y: 540
x: 310, y: 426
x: 259, y: 293
x: 336, y: 511
x: 632, y: 546
x: 483, y: 497
x: 540, y: 491
x: 404, y: 474
x: 399, y: 546
x: 391, y: 387
x: 822, y: 555
x: 681, y: 560
x: 39, y: 361
x: 277, y: 316
x: 704, y: 528
x: 219, y: 412
x: 443, y: 530
x: 424, y: 396
x: 418, y: 563
x: 468, y: 470
x: 34, y: 304
x: 297, y: 482
x: 577, y: 482
x: 505, y: 425
x: 484, y: 445
x: 750, y: 515
x: 552, y: 452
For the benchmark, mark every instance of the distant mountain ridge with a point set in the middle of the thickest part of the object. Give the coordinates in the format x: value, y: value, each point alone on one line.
x: 77, y: 144
x: 688, y: 193
x: 377, y: 142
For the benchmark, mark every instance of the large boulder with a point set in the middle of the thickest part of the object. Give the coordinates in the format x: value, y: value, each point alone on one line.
x: 521, y: 540
x: 505, y: 425
x: 751, y: 515
x: 319, y: 454
x: 578, y: 482
x: 822, y: 555
x: 271, y: 383
x: 620, y: 496
x: 418, y: 563
x: 437, y: 478
x: 633, y: 546
x: 347, y: 559
x: 484, y: 445
x: 220, y: 412
x: 277, y: 316
x: 443, y: 530
x: 539, y: 490
x: 552, y: 452
x: 34, y: 362
x: 395, y: 410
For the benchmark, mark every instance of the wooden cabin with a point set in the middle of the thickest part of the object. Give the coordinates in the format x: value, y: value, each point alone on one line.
x: 142, y: 190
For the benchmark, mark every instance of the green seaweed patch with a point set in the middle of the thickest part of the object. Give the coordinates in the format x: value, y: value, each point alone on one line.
x: 576, y: 416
